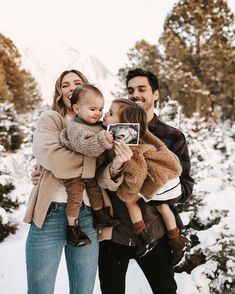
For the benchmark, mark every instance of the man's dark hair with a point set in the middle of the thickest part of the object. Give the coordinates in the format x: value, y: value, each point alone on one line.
x: 152, y: 79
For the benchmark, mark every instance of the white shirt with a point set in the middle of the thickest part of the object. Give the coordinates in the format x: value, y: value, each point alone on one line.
x: 61, y: 195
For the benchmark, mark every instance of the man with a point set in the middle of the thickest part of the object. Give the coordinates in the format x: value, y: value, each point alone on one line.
x: 115, y: 254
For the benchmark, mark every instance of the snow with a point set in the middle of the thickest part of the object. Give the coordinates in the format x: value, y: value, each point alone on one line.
x: 214, y: 175
x: 212, y: 149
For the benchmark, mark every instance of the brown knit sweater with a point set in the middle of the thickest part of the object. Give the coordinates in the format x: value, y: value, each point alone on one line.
x: 150, y: 167
x: 86, y: 139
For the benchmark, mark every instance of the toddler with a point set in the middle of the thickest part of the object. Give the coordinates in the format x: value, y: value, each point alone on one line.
x: 85, y: 135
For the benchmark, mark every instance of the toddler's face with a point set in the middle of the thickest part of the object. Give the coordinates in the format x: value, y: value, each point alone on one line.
x: 90, y: 108
x: 112, y: 116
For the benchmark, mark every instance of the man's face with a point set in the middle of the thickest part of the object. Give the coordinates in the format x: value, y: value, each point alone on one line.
x: 140, y: 91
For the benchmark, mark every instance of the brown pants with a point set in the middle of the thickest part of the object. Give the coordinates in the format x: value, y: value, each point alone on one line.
x: 75, y: 187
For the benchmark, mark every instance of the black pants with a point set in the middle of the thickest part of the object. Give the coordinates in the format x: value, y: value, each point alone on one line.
x: 113, y: 264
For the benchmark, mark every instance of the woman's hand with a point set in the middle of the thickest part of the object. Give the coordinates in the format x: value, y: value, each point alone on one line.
x: 123, y: 153
x: 35, y: 175
x: 109, y: 137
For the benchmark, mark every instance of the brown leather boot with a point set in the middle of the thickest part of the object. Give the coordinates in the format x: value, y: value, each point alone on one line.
x: 178, y: 246
x: 76, y: 237
x: 103, y: 219
x: 146, y: 243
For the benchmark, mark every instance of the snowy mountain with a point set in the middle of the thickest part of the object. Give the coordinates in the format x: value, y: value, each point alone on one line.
x: 49, y: 60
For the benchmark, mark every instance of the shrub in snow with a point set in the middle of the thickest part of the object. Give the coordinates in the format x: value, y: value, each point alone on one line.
x: 16, y: 166
x: 10, y: 133
x: 8, y: 204
x: 10, y: 140
x: 210, y: 210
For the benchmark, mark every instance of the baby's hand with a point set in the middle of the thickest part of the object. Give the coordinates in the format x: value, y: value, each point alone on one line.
x: 109, y: 137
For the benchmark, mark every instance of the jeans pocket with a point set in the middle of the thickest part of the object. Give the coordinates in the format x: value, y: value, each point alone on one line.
x: 50, y: 209
x: 87, y: 209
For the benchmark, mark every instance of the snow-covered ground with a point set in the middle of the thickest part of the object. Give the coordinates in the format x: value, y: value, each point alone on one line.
x: 213, y: 165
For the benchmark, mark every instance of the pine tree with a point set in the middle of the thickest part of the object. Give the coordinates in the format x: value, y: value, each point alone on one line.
x: 143, y: 55
x: 10, y: 140
x: 16, y: 84
x: 199, y: 55
x: 10, y: 134
x: 7, y: 205
x: 195, y: 58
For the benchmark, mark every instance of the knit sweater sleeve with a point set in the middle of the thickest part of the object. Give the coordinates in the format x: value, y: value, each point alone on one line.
x: 135, y: 172
x: 84, y: 141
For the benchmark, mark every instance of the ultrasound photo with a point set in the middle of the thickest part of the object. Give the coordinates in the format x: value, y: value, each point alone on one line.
x: 127, y: 132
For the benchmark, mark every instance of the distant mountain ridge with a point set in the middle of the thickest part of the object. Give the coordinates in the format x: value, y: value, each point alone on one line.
x: 47, y: 62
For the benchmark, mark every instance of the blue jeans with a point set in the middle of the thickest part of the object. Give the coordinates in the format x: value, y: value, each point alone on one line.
x: 44, y: 248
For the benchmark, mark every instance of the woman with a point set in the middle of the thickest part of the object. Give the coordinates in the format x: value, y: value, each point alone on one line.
x: 47, y: 205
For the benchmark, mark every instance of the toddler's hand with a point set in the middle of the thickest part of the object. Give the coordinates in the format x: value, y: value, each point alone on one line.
x: 109, y: 137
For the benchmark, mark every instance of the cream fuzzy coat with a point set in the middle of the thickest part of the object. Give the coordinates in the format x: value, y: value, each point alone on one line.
x: 149, y: 169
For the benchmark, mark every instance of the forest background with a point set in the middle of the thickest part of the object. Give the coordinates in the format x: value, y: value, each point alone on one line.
x: 194, y: 60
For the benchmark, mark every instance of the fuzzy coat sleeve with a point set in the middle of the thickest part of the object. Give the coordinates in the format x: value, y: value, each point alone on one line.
x: 87, y: 140
x: 106, y: 182
x: 50, y: 154
x: 135, y: 172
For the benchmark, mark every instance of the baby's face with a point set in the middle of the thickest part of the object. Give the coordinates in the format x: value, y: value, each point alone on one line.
x: 90, y: 108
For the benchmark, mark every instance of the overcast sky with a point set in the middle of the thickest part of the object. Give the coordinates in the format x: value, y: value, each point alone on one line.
x: 104, y: 28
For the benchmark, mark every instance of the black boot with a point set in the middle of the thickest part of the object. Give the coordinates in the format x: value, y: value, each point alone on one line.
x: 103, y: 219
x: 146, y: 243
x: 76, y: 237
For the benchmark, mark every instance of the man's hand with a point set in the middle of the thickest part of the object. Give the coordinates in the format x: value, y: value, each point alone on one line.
x: 35, y: 175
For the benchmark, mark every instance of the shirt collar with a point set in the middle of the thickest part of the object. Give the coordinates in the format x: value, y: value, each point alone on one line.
x: 153, y: 122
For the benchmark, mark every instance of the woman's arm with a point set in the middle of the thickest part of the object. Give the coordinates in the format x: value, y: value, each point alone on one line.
x: 49, y: 153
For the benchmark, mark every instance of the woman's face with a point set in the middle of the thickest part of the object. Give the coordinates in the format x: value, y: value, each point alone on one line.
x: 112, y: 116
x: 68, y: 83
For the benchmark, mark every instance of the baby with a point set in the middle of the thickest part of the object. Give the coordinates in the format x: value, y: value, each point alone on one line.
x: 85, y: 135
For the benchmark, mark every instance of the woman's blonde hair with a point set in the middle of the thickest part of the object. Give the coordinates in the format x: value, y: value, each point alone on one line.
x: 58, y: 104
x: 130, y: 112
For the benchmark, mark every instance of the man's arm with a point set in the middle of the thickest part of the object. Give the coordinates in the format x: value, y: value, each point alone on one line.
x: 180, y: 148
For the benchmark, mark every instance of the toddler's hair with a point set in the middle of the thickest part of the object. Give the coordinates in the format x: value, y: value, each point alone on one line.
x: 130, y: 112
x: 81, y: 90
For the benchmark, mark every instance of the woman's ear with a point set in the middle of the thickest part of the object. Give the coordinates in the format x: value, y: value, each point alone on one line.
x: 75, y: 108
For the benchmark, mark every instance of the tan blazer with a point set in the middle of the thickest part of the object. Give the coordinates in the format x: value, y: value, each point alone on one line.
x: 57, y: 162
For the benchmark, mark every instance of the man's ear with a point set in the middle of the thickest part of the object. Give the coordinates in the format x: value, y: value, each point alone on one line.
x: 155, y: 95
x: 75, y: 108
